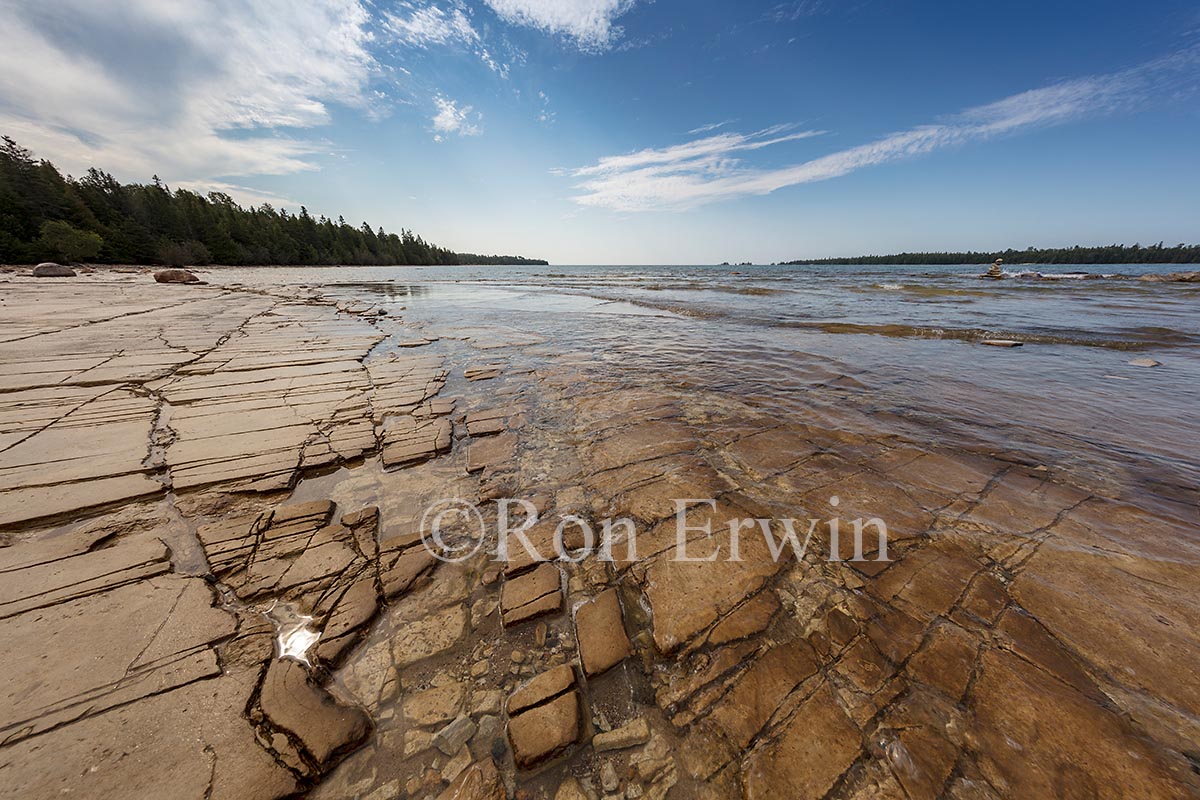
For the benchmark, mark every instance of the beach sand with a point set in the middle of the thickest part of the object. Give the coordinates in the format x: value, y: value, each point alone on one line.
x: 192, y: 477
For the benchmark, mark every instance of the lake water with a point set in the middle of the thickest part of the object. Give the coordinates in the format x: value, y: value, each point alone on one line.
x: 893, y: 348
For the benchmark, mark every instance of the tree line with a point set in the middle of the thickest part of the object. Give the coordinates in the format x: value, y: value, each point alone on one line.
x: 1110, y: 254
x: 45, y: 216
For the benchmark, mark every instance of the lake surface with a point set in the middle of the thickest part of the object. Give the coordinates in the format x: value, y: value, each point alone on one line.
x: 894, y: 348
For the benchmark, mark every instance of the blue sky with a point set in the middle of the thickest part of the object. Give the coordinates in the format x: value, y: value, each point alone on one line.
x: 630, y: 131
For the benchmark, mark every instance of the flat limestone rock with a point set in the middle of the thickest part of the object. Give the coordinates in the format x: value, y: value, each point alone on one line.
x: 429, y: 636
x: 491, y: 452
x: 817, y: 746
x: 549, y: 684
x: 531, y: 594
x: 600, y: 631
x: 293, y: 702
x: 480, y: 781
x: 545, y: 730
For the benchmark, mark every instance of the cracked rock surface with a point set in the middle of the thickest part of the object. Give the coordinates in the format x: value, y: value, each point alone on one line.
x: 213, y: 585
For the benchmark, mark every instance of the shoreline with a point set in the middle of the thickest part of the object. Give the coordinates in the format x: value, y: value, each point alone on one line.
x: 220, y: 449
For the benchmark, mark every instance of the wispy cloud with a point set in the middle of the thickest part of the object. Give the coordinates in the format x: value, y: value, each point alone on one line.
x: 192, y: 91
x: 451, y: 120
x: 588, y: 23
x: 430, y: 25
x: 704, y: 171
x: 712, y: 126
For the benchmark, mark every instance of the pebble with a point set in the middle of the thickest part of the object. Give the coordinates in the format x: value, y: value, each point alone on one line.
x: 608, y: 777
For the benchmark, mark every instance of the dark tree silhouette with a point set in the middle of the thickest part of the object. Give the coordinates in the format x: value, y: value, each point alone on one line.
x: 45, y: 216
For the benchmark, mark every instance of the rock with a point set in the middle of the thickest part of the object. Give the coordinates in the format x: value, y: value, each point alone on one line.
x: 601, y: 633
x: 291, y: 700
x: 490, y: 729
x: 543, y: 731
x: 634, y: 733
x: 175, y: 276
x: 455, y: 766
x: 809, y: 755
x: 435, y: 706
x: 545, y: 686
x: 489, y: 702
x: 429, y: 636
x: 48, y: 269
x: 452, y: 737
x: 1002, y: 343
x: 1145, y: 362
x: 570, y: 789
x: 480, y: 781
x: 609, y: 781
x: 532, y: 594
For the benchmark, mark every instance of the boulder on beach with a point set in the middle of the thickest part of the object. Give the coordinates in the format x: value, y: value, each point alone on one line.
x: 48, y: 269
x: 175, y: 276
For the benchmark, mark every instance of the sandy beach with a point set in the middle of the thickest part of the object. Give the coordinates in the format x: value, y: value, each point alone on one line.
x: 216, y: 584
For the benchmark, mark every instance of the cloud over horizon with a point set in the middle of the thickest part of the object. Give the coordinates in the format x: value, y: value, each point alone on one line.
x: 703, y: 171
x: 194, y: 92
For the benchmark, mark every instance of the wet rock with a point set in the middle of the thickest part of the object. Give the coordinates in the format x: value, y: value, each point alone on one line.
x: 600, y: 631
x: 630, y: 735
x: 532, y: 594
x: 570, y: 789
x: 452, y: 737
x: 609, y: 781
x: 434, y: 706
x: 1002, y: 343
x: 815, y: 748
x: 543, y: 731
x: 1145, y: 362
x: 491, y: 452
x: 545, y: 686
x: 455, y: 766
x: 481, y: 781
x: 429, y: 636
x: 49, y: 269
x: 750, y: 618
x: 175, y: 276
x: 292, y: 701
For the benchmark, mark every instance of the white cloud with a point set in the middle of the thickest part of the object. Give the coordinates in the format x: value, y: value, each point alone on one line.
x: 704, y: 171
x: 588, y: 22
x: 452, y: 120
x: 712, y: 126
x: 191, y: 91
x: 422, y: 26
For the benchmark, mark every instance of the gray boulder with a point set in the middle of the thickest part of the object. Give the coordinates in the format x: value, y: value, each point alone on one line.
x: 48, y: 269
x: 175, y: 276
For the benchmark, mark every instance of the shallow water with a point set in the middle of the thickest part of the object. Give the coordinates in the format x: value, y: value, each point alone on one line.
x: 897, y: 347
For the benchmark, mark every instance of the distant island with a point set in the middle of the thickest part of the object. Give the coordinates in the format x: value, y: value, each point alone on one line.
x: 44, y: 216
x: 1110, y: 254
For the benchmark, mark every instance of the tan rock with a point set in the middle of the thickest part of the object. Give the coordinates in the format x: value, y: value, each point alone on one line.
x: 429, y: 636
x: 600, y: 631
x: 293, y: 702
x: 817, y: 746
x: 542, y: 731
x: 548, y: 684
x: 629, y: 735
x: 434, y: 706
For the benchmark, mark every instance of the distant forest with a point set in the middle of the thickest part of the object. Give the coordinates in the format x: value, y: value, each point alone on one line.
x: 44, y: 216
x: 1112, y: 254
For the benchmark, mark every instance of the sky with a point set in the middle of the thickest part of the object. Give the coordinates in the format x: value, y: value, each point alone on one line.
x: 637, y: 131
